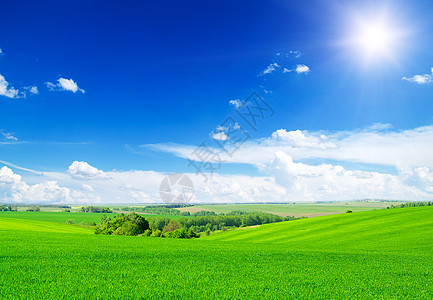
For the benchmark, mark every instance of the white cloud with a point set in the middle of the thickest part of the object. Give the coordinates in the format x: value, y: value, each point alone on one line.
x: 298, y: 69
x: 376, y: 147
x: 82, y: 170
x: 219, y: 136
x: 294, y: 166
x: 87, y: 187
x: 6, y: 90
x: 236, y: 103
x: 1, y: 52
x: 64, y: 85
x: 15, y: 190
x: 295, y: 53
x: 32, y: 89
x: 298, y: 139
x: 328, y: 182
x: 421, y: 79
x: 269, y: 69
x: 302, y: 69
x: 8, y: 136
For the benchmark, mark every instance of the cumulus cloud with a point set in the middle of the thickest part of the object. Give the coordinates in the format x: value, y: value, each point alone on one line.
x: 64, y: 84
x: 15, y: 190
x: 1, y: 52
x: 327, y: 182
x: 421, y: 79
x: 236, y: 103
x: 377, y: 147
x: 219, y: 136
x: 302, y: 69
x: 82, y: 170
x: 6, y: 90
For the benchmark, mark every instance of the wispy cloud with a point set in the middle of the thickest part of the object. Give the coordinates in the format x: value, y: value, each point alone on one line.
x: 295, y: 53
x: 421, y: 79
x: 32, y: 89
x: 64, y: 84
x: 8, y: 136
x: 271, y: 68
x: 376, y: 144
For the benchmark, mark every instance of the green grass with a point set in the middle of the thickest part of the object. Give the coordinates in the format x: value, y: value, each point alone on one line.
x: 384, y: 254
x: 61, y: 217
x: 391, y: 230
x: 304, y: 209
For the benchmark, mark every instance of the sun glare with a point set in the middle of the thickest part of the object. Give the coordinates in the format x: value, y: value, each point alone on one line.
x: 374, y: 38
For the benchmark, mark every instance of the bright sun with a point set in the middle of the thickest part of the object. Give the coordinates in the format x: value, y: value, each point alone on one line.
x: 374, y: 39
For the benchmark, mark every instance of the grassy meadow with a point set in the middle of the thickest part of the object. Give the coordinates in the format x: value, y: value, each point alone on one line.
x: 384, y: 254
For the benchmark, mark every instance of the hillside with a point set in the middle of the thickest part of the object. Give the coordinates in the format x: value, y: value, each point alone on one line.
x: 380, y: 230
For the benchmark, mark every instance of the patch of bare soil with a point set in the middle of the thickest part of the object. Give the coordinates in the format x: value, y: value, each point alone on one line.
x: 192, y: 209
x: 255, y: 226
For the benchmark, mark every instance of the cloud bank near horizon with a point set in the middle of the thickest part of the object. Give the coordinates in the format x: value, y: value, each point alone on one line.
x: 283, y: 159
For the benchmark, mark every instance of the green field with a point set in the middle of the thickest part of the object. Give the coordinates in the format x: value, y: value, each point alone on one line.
x: 61, y: 217
x: 298, y: 209
x: 384, y: 254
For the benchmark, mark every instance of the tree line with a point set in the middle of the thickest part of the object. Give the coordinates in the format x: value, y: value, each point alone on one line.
x: 134, y: 224
x: 95, y: 209
x: 158, y: 210
x: 413, y: 204
x: 7, y: 208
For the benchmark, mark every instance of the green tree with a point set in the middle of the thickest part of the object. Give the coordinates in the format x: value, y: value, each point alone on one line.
x: 172, y: 226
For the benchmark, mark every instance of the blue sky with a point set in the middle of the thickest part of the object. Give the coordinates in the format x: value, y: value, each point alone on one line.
x: 131, y: 87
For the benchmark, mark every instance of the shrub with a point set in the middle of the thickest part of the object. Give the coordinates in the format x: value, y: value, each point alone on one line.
x: 147, y: 232
x: 127, y: 228
x: 156, y: 233
x: 131, y: 224
x: 348, y: 211
x: 82, y: 223
x: 91, y: 223
x: 70, y: 221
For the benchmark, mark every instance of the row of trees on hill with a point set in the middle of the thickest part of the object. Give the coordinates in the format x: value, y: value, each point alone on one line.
x: 158, y: 210
x: 6, y: 208
x: 95, y: 209
x: 232, y: 220
x: 413, y: 204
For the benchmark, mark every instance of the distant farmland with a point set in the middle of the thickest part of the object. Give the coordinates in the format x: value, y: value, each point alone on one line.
x: 298, y: 209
